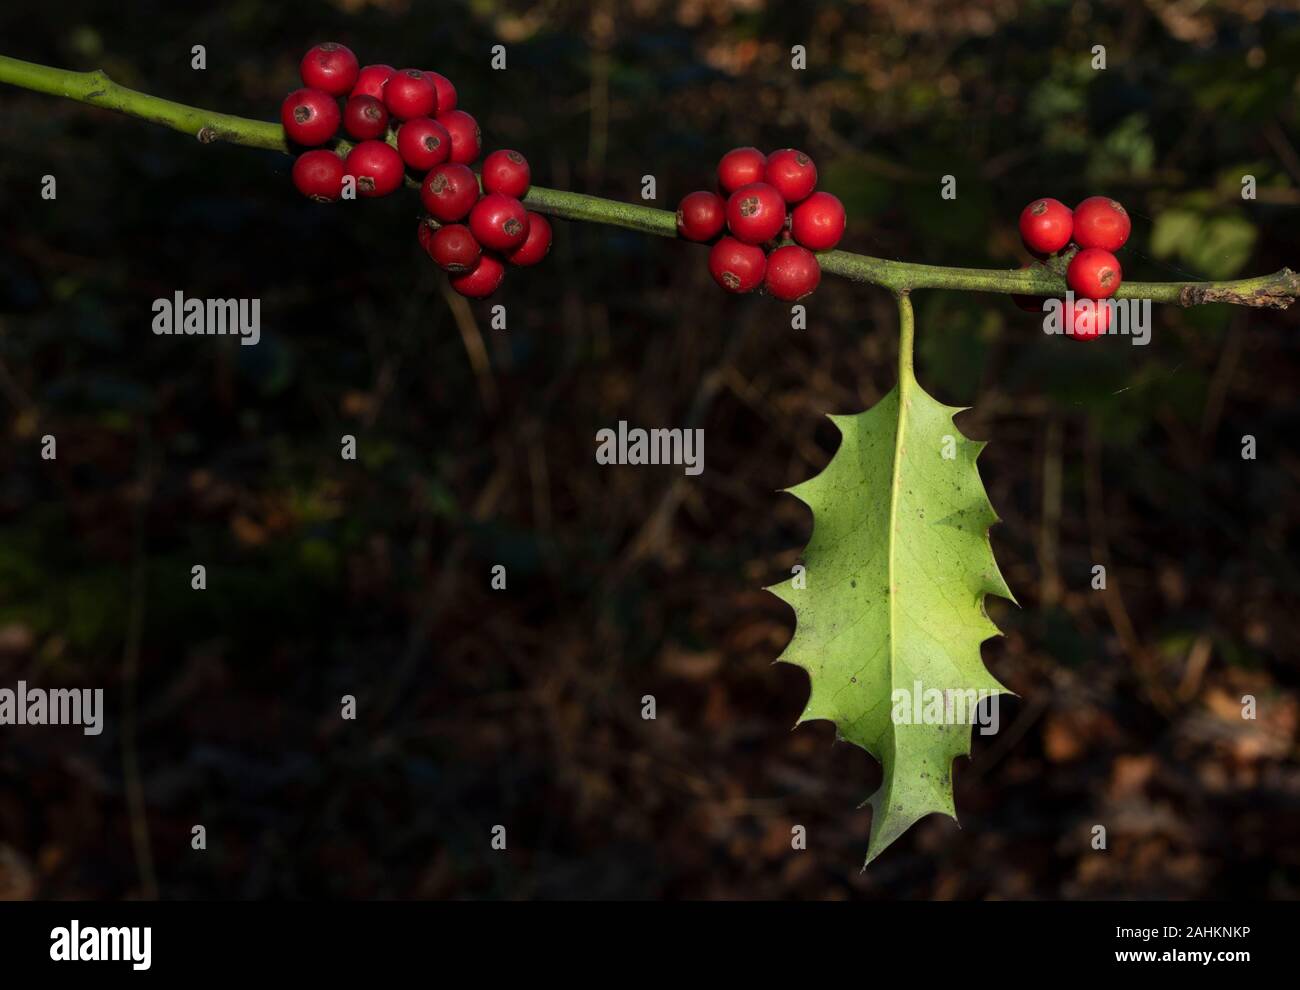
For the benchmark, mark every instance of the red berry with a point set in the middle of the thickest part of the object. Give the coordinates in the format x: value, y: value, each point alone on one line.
x: 1046, y: 226
x: 454, y: 249
x: 818, y: 222
x: 1084, y: 322
x: 364, y: 117
x: 482, y: 280
x: 739, y: 167
x: 466, y: 138
x: 377, y: 168
x: 791, y: 173
x: 737, y: 266
x: 409, y: 94
x: 318, y: 174
x: 506, y: 172
x: 1100, y: 222
x: 536, y: 245
x: 371, y: 80
x: 449, y: 192
x: 309, y: 116
x: 446, y: 91
x: 499, y: 222
x: 792, y: 272
x: 330, y: 67
x: 1094, y: 273
x: 423, y: 143
x: 701, y: 216
x: 756, y: 213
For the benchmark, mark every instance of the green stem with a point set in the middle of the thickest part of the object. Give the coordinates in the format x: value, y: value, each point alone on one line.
x: 98, y: 90
x: 906, y: 342
x: 1277, y: 290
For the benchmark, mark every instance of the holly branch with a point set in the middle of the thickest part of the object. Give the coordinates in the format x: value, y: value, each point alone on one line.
x: 1277, y: 290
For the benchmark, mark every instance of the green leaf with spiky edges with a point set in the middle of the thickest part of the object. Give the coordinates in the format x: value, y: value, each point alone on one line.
x: 891, y: 615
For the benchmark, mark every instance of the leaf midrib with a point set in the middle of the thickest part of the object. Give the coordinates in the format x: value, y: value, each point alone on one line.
x: 895, y: 487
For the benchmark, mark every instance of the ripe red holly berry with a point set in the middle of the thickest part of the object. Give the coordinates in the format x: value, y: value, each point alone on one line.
x: 371, y: 80
x: 506, y: 172
x: 499, y: 222
x: 739, y: 167
x: 792, y: 272
x: 423, y: 143
x: 536, y: 245
x: 377, y: 168
x: 318, y: 174
x: 756, y: 213
x: 818, y: 222
x: 309, y: 116
x: 330, y: 67
x: 446, y: 91
x: 1046, y: 226
x: 409, y: 94
x: 364, y: 117
x: 791, y: 173
x: 701, y: 216
x: 1101, y: 222
x: 482, y: 280
x: 736, y: 266
x: 453, y: 248
x: 449, y: 192
x: 1094, y: 273
x: 466, y: 138
x: 1084, y: 322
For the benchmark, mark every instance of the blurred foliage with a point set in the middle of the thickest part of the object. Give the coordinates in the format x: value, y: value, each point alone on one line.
x: 1215, y: 244
x: 372, y: 577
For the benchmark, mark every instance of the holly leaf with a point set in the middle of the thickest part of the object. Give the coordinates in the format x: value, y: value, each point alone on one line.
x: 890, y: 607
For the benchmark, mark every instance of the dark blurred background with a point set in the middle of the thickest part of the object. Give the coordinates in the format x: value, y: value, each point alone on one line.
x: 523, y: 707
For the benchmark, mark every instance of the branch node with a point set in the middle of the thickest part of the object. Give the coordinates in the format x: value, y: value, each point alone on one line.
x: 100, y: 84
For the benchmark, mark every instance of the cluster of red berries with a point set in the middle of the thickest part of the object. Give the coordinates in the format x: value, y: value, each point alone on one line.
x: 1097, y: 227
x: 407, y: 119
x: 775, y: 220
